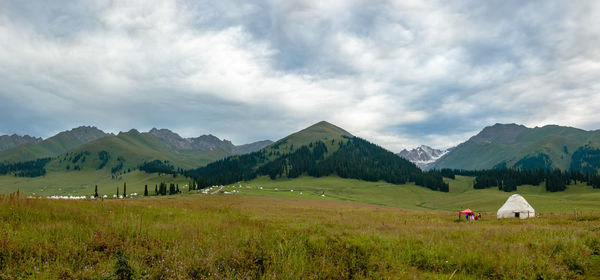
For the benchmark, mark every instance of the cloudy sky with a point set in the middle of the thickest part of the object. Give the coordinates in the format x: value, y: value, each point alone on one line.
x: 398, y: 73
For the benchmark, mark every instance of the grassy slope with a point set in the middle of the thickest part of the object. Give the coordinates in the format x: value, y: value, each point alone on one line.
x: 550, y: 140
x: 461, y: 195
x: 321, y: 131
x: 250, y: 237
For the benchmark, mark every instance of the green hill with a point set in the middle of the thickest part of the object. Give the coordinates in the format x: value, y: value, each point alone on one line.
x: 316, y: 132
x: 514, y: 145
x: 319, y: 150
x: 52, y: 146
x: 128, y: 150
x: 322, y: 131
x: 111, y: 160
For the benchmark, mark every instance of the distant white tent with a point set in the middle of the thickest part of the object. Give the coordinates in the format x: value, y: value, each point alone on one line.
x: 516, y: 207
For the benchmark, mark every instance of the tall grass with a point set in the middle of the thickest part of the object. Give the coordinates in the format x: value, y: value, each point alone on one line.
x: 246, y: 237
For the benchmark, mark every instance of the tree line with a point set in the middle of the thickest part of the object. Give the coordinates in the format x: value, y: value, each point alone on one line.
x: 586, y: 160
x: 33, y: 168
x: 159, y: 189
x: 507, y: 179
x: 157, y: 166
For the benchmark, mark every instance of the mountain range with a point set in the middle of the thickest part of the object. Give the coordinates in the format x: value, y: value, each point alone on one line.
x: 52, y: 146
x: 500, y: 145
x: 423, y: 156
x: 88, y: 147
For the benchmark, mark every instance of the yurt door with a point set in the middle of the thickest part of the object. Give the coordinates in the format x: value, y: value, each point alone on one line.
x: 516, y: 214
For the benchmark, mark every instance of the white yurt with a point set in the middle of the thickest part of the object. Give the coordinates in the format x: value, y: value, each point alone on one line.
x: 516, y: 207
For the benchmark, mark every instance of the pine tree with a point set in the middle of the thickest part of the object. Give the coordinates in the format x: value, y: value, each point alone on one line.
x: 155, y: 189
x: 145, y: 190
x: 96, y: 191
x: 177, y: 191
x: 162, y: 189
x: 124, y: 189
x: 117, y: 191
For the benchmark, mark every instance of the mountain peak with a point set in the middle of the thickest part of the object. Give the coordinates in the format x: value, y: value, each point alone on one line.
x: 54, y: 145
x: 316, y: 132
x: 499, y: 133
x: 321, y: 131
x: 7, y: 142
x: 326, y: 127
x: 83, y: 133
x: 164, y: 133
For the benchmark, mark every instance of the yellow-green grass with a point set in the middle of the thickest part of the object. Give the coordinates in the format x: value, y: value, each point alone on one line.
x: 462, y: 195
x: 252, y: 237
x: 84, y: 182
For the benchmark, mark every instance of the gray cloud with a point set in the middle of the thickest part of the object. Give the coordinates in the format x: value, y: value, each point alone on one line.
x: 397, y: 73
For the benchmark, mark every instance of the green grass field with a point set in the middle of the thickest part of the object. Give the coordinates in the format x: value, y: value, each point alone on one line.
x: 84, y: 182
x: 251, y: 237
x: 461, y: 195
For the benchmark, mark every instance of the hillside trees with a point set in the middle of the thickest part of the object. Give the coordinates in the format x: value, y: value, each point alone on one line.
x: 355, y: 158
x: 557, y: 181
x: 103, y: 156
x: 33, y: 168
x: 228, y: 170
x: 157, y: 166
x: 507, y: 179
x: 585, y: 160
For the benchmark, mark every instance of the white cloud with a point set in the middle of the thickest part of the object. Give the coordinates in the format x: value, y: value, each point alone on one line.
x: 400, y: 74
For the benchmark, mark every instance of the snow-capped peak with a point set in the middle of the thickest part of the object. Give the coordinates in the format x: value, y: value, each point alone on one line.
x: 423, y: 156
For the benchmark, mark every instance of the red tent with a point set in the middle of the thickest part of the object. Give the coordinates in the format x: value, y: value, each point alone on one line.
x: 466, y: 211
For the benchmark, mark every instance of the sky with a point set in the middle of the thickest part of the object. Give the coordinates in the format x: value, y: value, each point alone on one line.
x: 397, y: 73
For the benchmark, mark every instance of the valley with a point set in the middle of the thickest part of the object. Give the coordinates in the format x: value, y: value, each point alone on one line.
x: 317, y: 204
